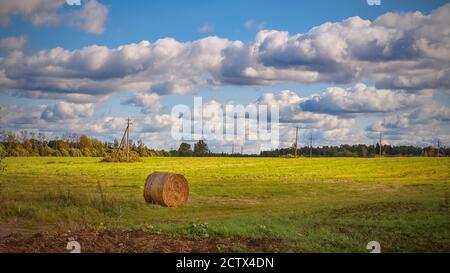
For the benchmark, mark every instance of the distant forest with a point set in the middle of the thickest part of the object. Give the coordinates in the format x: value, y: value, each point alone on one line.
x: 31, y: 144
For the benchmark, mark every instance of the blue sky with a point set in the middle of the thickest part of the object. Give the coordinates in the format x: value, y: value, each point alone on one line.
x: 127, y: 22
x: 132, y: 21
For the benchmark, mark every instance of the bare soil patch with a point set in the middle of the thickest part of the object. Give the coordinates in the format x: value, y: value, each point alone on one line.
x: 119, y: 241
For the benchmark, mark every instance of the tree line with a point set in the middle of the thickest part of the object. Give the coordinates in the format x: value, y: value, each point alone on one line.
x: 359, y: 150
x: 38, y: 144
x: 26, y: 143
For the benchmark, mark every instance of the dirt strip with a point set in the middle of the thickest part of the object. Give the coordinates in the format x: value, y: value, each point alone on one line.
x: 92, y: 241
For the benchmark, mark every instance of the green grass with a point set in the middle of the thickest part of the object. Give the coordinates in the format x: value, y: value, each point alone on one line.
x: 310, y: 205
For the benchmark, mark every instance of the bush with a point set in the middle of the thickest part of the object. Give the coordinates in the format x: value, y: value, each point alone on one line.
x: 48, y: 151
x: 2, y: 168
x: 2, y: 165
x: 2, y: 150
x: 19, y: 151
x: 86, y: 152
x: 143, y: 152
x: 75, y: 152
x: 64, y: 152
x: 154, y: 153
x: 121, y: 156
x: 200, y: 229
x: 98, y: 153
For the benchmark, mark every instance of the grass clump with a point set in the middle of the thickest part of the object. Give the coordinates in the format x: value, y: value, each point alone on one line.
x: 198, y: 229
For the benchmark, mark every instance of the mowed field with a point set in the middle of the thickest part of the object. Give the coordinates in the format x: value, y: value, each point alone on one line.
x: 289, y: 205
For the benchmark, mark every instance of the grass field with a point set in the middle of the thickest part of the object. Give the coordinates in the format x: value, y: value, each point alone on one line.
x: 305, y: 205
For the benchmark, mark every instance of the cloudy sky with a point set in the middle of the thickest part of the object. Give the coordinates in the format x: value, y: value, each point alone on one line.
x: 341, y: 70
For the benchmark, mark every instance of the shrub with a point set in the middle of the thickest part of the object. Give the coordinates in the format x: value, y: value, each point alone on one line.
x: 50, y: 151
x: 19, y: 151
x: 199, y: 229
x: 155, y: 153
x: 86, y: 152
x: 143, y: 152
x: 98, y: 153
x: 121, y: 156
x: 64, y: 152
x: 2, y: 165
x: 75, y: 152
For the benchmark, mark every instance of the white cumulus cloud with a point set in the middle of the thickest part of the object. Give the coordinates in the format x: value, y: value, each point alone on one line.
x: 91, y: 16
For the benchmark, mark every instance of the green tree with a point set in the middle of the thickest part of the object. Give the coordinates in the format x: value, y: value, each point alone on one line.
x: 142, y: 149
x: 364, y: 151
x: 201, y: 148
x: 184, y: 149
x: 85, y: 142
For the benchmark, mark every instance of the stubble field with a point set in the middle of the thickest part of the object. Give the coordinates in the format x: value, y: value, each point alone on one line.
x: 235, y: 204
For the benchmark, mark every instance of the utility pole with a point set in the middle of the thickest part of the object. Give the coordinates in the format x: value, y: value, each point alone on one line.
x: 232, y: 149
x: 296, y: 141
x: 296, y: 137
x: 128, y: 139
x: 381, y: 135
x: 310, y: 145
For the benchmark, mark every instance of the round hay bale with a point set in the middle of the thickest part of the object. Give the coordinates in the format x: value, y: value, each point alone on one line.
x: 166, y: 189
